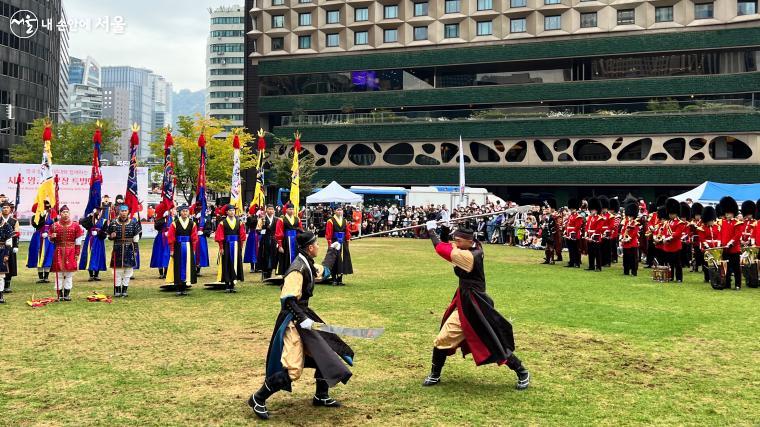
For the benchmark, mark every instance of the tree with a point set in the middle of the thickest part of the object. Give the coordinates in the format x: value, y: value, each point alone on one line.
x: 281, y: 162
x: 72, y: 143
x: 186, y: 154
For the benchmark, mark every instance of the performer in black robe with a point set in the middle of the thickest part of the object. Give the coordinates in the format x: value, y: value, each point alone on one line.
x: 6, y: 234
x: 288, y: 226
x: 7, y: 218
x: 471, y: 322
x: 295, y: 345
x: 336, y: 230
x: 183, y: 245
x: 230, y: 235
x: 125, y: 233
x: 268, y: 255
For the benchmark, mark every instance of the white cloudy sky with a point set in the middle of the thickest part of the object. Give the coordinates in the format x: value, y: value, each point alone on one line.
x: 166, y: 36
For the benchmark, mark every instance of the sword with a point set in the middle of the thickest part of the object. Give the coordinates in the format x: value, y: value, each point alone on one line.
x: 368, y: 333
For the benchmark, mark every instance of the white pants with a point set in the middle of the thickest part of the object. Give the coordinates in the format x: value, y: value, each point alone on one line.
x: 2, y: 283
x: 64, y: 280
x: 123, y: 275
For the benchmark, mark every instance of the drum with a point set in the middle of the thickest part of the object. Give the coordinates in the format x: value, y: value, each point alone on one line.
x: 661, y: 273
x: 717, y: 275
x: 751, y: 273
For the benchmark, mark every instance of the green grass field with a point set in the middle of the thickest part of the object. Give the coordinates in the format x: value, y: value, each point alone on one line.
x: 602, y: 349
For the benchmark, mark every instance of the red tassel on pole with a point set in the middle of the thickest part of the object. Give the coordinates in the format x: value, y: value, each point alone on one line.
x: 97, y: 139
x: 135, y: 140
x: 169, y: 141
x: 201, y: 141
x: 47, y: 134
x: 297, y: 144
x: 236, y: 142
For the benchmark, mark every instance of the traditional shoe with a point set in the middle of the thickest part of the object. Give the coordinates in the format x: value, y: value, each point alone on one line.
x: 431, y: 381
x: 2, y: 300
x: 41, y: 281
x: 523, y: 380
x: 91, y: 279
x: 328, y: 402
x: 260, y: 409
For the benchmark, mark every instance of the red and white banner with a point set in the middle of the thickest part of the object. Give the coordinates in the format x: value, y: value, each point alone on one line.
x: 74, y: 184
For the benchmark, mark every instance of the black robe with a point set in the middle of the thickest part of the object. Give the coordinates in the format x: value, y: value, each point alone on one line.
x: 231, y: 268
x: 12, y: 260
x: 488, y: 335
x: 124, y: 254
x: 268, y: 255
x: 6, y: 232
x: 183, y: 235
x: 322, y: 351
x: 344, y: 264
x: 284, y: 257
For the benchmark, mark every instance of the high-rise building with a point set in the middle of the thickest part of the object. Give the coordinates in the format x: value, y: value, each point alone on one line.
x: 33, y: 69
x: 85, y: 92
x: 558, y: 96
x: 116, y: 108
x: 224, y: 65
x: 149, y: 100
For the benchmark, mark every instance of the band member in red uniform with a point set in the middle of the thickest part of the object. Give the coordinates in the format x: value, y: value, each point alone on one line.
x: 559, y: 219
x: 747, y: 228
x: 615, y: 220
x: 695, y: 226
x: 730, y: 237
x: 573, y: 234
x: 337, y: 230
x: 686, y: 237
x: 653, y: 225
x: 672, y: 234
x: 471, y: 323
x: 593, y: 233
x: 630, y: 238
x: 709, y: 235
x: 67, y: 236
x: 658, y: 235
x: 605, y: 228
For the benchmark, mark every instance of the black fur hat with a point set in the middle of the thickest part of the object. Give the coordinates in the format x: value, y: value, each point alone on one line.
x: 662, y: 213
x: 757, y: 205
x: 729, y: 205
x: 719, y: 210
x: 685, y: 211
x: 614, y: 204
x: 594, y: 205
x: 673, y: 207
x: 604, y: 201
x: 709, y: 214
x: 660, y: 201
x: 573, y: 203
x: 696, y: 209
x: 748, y: 208
x: 651, y: 207
x: 552, y: 203
x: 632, y: 209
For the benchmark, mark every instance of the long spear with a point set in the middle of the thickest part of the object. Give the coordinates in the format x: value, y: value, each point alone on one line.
x: 412, y: 227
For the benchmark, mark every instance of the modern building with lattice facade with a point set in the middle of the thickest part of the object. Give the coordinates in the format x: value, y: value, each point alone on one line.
x: 557, y: 96
x: 224, y: 65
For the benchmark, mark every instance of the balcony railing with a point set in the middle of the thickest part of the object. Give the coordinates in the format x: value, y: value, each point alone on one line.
x: 654, y: 107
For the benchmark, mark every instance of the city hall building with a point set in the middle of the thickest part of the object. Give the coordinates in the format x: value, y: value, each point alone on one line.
x: 566, y: 97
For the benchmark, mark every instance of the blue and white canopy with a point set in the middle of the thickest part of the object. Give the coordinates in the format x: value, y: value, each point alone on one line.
x: 711, y: 192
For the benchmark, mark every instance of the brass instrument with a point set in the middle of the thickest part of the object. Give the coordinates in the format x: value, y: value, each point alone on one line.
x: 716, y: 267
x: 750, y: 265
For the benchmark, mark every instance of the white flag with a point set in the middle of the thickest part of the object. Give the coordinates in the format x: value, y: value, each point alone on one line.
x: 461, y: 172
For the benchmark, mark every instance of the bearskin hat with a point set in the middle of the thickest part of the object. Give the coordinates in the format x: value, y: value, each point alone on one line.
x: 573, y: 203
x: 660, y: 201
x: 718, y: 210
x: 673, y: 207
x: 632, y: 209
x: 551, y: 203
x: 729, y: 205
x: 709, y: 214
x: 614, y: 204
x: 594, y: 205
x: 696, y: 209
x: 662, y: 213
x: 685, y: 211
x: 748, y: 208
x: 604, y: 202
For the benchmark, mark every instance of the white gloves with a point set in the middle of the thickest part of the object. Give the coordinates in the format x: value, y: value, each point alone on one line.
x: 307, y: 323
x: 166, y: 213
x: 263, y: 231
x: 166, y: 234
x: 44, y: 235
x: 335, y: 245
x: 431, y: 225
x: 136, y: 239
x: 94, y: 232
x: 79, y: 241
x: 200, y: 233
x: 9, y: 242
x: 15, y: 250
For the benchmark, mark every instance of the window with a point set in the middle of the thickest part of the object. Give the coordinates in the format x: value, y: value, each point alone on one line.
x: 451, y: 31
x: 333, y: 40
x: 361, y: 38
x: 278, y: 2
x: 452, y: 6
x: 703, y: 11
x: 485, y: 28
x: 551, y: 1
x: 278, y: 21
x: 304, y: 19
x: 485, y: 4
x: 333, y: 16
x: 227, y: 33
x: 228, y: 20
x: 552, y: 22
x: 518, y: 25
x: 420, y: 33
x: 390, y: 11
x: 588, y: 20
x: 421, y: 9
x: 361, y: 14
x: 744, y: 7
x: 304, y: 42
x: 304, y: 1
x: 390, y: 36
x: 278, y: 43
x: 626, y: 16
x: 518, y: 3
x: 663, y: 14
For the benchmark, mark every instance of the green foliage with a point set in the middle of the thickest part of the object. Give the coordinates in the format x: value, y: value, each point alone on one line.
x: 186, y: 154
x: 663, y: 105
x: 280, y: 163
x: 71, y: 144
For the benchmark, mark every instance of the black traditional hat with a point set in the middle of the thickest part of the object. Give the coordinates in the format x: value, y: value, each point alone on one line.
x: 729, y: 205
x: 305, y: 239
x: 632, y: 209
x: 709, y: 214
x: 748, y: 208
x: 465, y: 233
x: 594, y: 204
x: 662, y: 213
x: 552, y: 203
x: 685, y: 211
x: 673, y: 207
x: 604, y: 201
x: 660, y: 201
x: 573, y: 203
x: 696, y: 209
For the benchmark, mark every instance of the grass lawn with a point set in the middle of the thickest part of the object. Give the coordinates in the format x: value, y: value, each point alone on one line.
x: 602, y: 349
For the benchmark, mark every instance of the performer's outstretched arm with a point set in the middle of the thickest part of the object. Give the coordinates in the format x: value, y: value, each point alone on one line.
x: 461, y: 258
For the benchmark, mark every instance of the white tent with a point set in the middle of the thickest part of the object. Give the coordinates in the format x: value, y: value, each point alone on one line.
x: 711, y: 192
x: 334, y: 193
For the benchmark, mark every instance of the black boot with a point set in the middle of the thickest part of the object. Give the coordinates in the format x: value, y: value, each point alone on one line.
x: 45, y: 277
x: 95, y: 275
x: 67, y: 294
x: 273, y: 384
x: 523, y: 376
x: 161, y: 273
x: 8, y: 286
x: 124, y: 291
x: 117, y: 291
x: 230, y: 288
x: 439, y: 359
x: 322, y: 398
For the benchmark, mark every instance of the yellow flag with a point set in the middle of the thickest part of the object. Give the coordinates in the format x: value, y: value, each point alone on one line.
x: 46, y: 191
x: 295, y: 177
